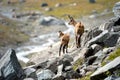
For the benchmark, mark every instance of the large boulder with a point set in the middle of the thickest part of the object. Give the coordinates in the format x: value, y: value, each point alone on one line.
x: 50, y: 20
x: 10, y: 68
x: 99, y: 74
x: 89, y: 35
x: 106, y: 38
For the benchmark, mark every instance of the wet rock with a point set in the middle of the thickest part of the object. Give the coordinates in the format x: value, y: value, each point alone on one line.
x: 45, y: 75
x: 47, y: 21
x: 99, y: 74
x: 10, y: 68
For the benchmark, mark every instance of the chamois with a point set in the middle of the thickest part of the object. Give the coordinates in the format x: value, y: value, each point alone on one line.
x: 79, y: 30
x: 64, y: 42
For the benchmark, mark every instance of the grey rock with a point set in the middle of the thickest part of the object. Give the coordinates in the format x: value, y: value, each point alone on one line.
x: 68, y: 68
x: 112, y: 77
x: 107, y: 26
x: 58, y: 5
x: 10, y: 68
x: 50, y: 20
x: 52, y: 65
x: 44, y: 4
x: 72, y: 75
x: 89, y: 35
x: 91, y: 60
x: 66, y: 60
x: 92, y: 1
x: 58, y: 77
x: 48, y: 9
x: 106, y: 38
x: 96, y: 48
x: 28, y: 79
x: 45, y: 75
x: 99, y: 74
x: 116, y: 9
x: 30, y: 72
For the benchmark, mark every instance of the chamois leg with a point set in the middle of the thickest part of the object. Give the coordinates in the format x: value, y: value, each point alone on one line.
x: 76, y: 41
x: 79, y: 41
x: 60, y: 49
x: 64, y: 49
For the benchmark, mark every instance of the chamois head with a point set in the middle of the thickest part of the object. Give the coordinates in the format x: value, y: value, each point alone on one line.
x: 72, y: 21
x: 60, y: 34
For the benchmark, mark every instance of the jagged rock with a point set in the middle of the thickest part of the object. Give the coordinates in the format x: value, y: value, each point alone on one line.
x: 30, y: 72
x: 10, y: 68
x: 45, y: 75
x: 106, y: 38
x: 116, y: 29
x: 99, y: 74
x: 50, y: 21
x: 107, y: 26
x: 89, y: 35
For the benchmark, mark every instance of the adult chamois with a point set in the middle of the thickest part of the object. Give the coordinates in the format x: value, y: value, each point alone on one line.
x: 79, y: 30
x: 64, y: 42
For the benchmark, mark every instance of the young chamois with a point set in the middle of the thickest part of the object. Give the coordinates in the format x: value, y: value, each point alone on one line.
x: 64, y: 42
x: 79, y: 30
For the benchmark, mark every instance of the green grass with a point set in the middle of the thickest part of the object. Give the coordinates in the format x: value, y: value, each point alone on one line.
x: 112, y: 56
x: 77, y: 63
x: 83, y: 7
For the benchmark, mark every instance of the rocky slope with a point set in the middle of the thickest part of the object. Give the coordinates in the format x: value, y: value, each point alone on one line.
x: 97, y: 59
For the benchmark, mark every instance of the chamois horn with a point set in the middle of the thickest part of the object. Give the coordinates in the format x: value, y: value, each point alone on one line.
x: 70, y: 17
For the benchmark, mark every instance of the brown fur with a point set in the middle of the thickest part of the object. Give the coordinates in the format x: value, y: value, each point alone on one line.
x: 79, y: 30
x: 64, y: 42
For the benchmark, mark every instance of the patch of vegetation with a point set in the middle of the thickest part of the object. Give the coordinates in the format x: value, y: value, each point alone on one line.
x: 112, y: 56
x: 10, y: 33
x: 77, y: 63
x: 87, y: 77
x: 67, y: 7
